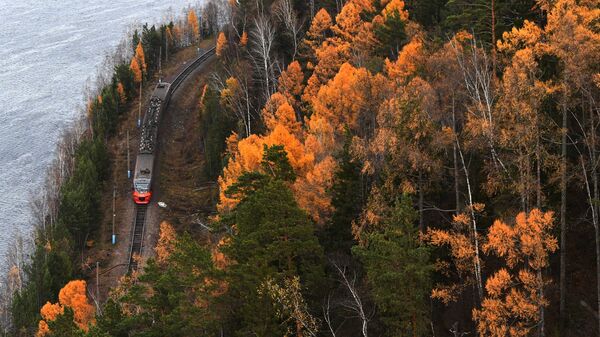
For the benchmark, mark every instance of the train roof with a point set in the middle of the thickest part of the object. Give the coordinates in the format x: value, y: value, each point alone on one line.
x: 144, y: 166
x: 161, y: 90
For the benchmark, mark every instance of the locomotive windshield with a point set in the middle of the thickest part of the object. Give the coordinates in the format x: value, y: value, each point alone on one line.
x: 142, y: 186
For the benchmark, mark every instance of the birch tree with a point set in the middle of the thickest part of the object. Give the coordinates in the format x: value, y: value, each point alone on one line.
x: 285, y: 14
x: 262, y: 36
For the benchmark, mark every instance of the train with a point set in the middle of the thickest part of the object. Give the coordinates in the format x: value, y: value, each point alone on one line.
x: 147, y: 150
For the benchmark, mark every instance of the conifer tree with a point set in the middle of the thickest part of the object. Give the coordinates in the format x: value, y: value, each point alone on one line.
x: 273, y: 239
x: 141, y: 58
x: 244, y: 39
x: 135, y: 69
x: 173, y: 297
x: 194, y: 26
x: 394, y: 254
x: 347, y: 201
x: 221, y: 44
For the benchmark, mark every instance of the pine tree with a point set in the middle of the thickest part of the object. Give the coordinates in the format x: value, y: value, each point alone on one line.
x: 273, y: 239
x: 173, y: 297
x: 476, y: 16
x: 391, y: 33
x: 347, y: 201
x: 394, y: 255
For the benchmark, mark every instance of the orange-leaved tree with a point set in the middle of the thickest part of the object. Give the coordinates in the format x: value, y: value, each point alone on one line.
x: 166, y: 242
x: 514, y: 294
x: 291, y: 84
x: 221, y: 44
x: 351, y: 39
x: 140, y: 57
x: 279, y: 111
x: 135, y: 69
x: 72, y: 296
x: 49, y: 312
x: 244, y: 39
x: 121, y: 92
x: 462, y: 269
x: 194, y: 25
x: 340, y: 101
x: 246, y: 156
x: 319, y: 30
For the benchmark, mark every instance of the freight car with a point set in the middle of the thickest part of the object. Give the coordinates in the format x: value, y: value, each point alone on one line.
x: 144, y: 164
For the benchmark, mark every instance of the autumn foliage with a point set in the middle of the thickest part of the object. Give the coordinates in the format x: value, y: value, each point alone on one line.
x: 166, y: 242
x: 135, y: 69
x: 244, y: 39
x: 421, y: 156
x: 140, y: 57
x: 221, y: 44
x: 194, y: 25
x: 515, y: 293
x: 73, y: 296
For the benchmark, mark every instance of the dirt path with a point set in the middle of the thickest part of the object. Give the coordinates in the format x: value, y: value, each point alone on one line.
x: 113, y: 259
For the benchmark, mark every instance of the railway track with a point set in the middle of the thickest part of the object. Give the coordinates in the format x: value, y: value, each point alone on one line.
x: 139, y: 223
x: 177, y: 81
x: 137, y: 237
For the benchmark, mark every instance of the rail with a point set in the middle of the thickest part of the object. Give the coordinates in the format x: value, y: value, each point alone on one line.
x: 138, y: 228
x: 188, y: 70
x: 137, y: 238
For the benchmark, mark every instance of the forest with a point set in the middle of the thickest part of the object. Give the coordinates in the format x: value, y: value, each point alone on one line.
x: 385, y: 168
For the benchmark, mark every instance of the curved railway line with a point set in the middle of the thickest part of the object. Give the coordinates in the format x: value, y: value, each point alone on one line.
x: 139, y: 222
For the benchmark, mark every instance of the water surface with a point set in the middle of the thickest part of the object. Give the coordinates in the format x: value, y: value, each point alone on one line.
x: 48, y: 49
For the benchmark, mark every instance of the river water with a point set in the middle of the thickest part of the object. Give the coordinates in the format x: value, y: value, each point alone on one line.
x: 48, y: 50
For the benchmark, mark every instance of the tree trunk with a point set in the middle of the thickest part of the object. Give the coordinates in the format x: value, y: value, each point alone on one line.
x: 421, y: 223
x: 563, y: 222
x: 597, y: 233
x: 299, y: 332
x: 538, y: 192
x: 456, y: 172
x: 476, y: 261
x: 593, y: 202
x: 494, y: 39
